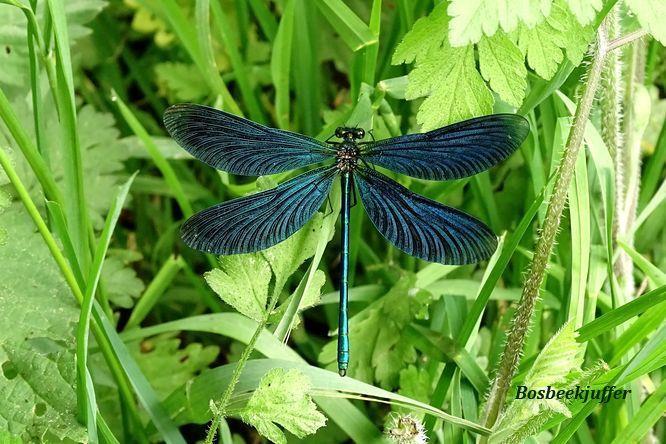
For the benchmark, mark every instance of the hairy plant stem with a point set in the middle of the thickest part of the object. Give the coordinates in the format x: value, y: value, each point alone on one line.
x: 521, y: 320
x: 219, y: 408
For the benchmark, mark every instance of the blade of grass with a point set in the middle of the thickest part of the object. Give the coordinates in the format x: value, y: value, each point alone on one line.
x: 29, y: 151
x: 353, y: 31
x: 579, y: 210
x: 161, y: 163
x: 223, y: 29
x: 621, y: 314
x: 653, y: 273
x: 84, y: 389
x: 650, y: 412
x: 75, y: 206
x: 265, y: 18
x: 370, y: 52
x: 281, y: 65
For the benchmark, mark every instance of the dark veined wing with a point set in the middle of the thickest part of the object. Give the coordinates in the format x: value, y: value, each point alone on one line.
x: 422, y: 227
x: 261, y: 220
x: 452, y: 152
x: 240, y: 146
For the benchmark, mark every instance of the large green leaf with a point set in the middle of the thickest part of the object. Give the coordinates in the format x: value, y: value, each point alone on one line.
x: 37, y: 398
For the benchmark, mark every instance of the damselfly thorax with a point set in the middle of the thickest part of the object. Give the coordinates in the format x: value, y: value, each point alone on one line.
x: 348, y: 152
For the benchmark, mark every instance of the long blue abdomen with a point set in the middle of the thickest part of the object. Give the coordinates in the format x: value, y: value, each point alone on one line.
x: 343, y: 327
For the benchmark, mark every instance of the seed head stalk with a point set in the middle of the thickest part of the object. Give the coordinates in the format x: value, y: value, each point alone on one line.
x: 518, y: 331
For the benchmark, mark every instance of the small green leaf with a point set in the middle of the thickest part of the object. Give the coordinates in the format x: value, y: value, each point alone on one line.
x: 242, y: 281
x: 651, y: 14
x: 503, y: 66
x: 282, y: 399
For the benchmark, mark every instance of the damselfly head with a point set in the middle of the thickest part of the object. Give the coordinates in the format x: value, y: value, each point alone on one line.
x: 349, y: 134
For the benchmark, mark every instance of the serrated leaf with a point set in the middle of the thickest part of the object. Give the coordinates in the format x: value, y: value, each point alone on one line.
x: 503, y: 66
x: 544, y: 44
x: 651, y: 14
x: 471, y: 19
x: 456, y: 89
x: 282, y: 399
x: 242, y: 281
x: 427, y: 34
x: 584, y: 10
x: 37, y: 398
x: 561, y: 355
x: 379, y: 349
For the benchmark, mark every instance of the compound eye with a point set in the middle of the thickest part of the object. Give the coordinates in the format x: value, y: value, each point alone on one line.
x: 359, y: 133
x: 339, y: 133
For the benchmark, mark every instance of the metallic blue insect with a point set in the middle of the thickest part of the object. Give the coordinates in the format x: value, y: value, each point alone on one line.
x: 418, y: 226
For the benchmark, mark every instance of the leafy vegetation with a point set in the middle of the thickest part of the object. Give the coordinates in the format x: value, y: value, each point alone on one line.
x: 113, y: 331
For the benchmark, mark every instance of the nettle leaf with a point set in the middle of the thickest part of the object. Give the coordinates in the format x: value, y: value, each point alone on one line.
x: 558, y: 366
x: 546, y: 44
x: 282, y: 399
x: 379, y: 349
x: 39, y: 315
x: 503, y: 66
x: 243, y: 280
x: 651, y: 14
x: 471, y: 19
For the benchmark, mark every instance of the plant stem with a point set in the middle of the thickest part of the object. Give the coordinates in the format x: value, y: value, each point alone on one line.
x: 220, y: 408
x: 517, y: 333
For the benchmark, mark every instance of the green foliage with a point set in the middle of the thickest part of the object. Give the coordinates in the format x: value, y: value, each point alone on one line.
x: 379, y: 347
x: 37, y: 399
x: 91, y: 83
x: 282, y: 399
x: 250, y: 274
x: 448, y: 74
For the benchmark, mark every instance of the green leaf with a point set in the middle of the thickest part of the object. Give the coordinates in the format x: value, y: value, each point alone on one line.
x: 651, y: 14
x: 544, y: 44
x: 37, y: 398
x: 242, y: 281
x: 454, y: 87
x: 585, y: 10
x: 282, y: 399
x: 426, y: 36
x: 503, y: 66
x: 380, y: 350
x: 470, y: 19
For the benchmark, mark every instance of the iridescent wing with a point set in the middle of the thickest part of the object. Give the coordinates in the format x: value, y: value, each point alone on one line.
x: 240, y: 146
x: 452, y: 152
x: 261, y: 220
x: 422, y: 227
